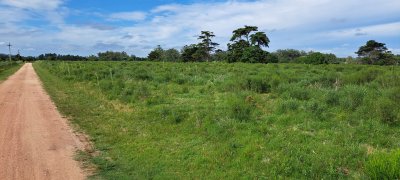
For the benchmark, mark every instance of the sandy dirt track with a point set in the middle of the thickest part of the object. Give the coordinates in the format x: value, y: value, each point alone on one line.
x: 35, y: 141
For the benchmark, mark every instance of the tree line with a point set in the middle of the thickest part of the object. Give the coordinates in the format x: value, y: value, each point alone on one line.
x: 246, y: 45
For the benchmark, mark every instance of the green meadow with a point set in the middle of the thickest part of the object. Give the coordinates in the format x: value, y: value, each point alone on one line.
x: 154, y: 120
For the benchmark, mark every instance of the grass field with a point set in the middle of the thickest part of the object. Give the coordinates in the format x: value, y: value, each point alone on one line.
x: 231, y: 121
x: 7, y: 69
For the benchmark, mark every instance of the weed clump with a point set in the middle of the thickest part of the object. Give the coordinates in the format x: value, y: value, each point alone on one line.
x: 353, y: 97
x: 258, y: 84
x: 142, y: 74
x: 332, y: 98
x: 317, y: 109
x: 288, y: 105
x: 174, y: 115
x: 241, y: 108
x: 299, y: 93
x: 389, y: 111
x: 363, y: 76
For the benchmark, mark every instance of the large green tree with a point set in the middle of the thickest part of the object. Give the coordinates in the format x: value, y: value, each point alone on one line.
x: 238, y: 34
x: 171, y: 55
x: 207, y: 45
x: 201, y: 51
x: 259, y: 39
x: 188, y: 53
x: 156, y: 54
x: 377, y: 53
x: 247, y: 46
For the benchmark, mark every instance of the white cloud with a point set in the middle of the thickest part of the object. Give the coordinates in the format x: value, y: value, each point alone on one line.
x: 128, y: 16
x: 395, y: 51
x: 387, y: 29
x: 33, y: 4
x: 12, y: 15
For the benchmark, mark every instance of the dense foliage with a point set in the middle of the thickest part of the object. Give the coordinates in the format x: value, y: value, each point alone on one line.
x: 376, y: 53
x: 230, y: 121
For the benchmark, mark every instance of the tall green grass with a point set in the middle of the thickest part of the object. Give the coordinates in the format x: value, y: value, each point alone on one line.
x: 229, y: 121
x: 8, y: 68
x: 384, y: 165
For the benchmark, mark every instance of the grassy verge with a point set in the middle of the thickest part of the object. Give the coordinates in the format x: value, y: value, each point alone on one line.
x: 7, y: 69
x: 218, y: 121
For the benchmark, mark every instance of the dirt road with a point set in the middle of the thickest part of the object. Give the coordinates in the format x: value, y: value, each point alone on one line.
x: 35, y: 141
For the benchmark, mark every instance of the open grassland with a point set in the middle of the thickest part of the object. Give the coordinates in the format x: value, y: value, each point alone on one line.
x: 232, y: 121
x: 8, y: 68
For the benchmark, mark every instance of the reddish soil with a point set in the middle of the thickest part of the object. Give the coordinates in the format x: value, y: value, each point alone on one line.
x: 35, y: 141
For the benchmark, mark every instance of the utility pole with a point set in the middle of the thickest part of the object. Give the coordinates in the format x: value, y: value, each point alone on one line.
x: 9, y: 51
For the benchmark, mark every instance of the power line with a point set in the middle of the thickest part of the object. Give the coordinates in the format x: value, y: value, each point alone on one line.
x: 9, y: 50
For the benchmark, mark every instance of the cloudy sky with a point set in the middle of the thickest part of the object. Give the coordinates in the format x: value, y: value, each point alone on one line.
x: 86, y: 27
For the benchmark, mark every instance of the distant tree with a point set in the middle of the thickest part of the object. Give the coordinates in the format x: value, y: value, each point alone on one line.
x: 188, y: 52
x: 201, y: 54
x: 332, y: 59
x: 203, y: 51
x: 247, y: 46
x: 397, y: 57
x: 236, y: 50
x: 387, y: 58
x: 113, y: 56
x: 259, y: 39
x: 172, y: 55
x: 3, y: 57
x: 238, y: 34
x: 48, y: 56
x: 350, y: 60
x: 156, y: 54
x: 29, y: 58
x: 135, y: 58
x: 318, y: 58
x: 375, y: 53
x: 69, y: 57
x: 92, y: 58
x: 18, y: 57
x: 254, y: 54
x: 288, y: 55
x: 220, y: 55
x: 207, y: 44
x: 272, y: 58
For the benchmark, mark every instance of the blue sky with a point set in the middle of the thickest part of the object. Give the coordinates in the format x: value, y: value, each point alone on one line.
x: 86, y: 27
